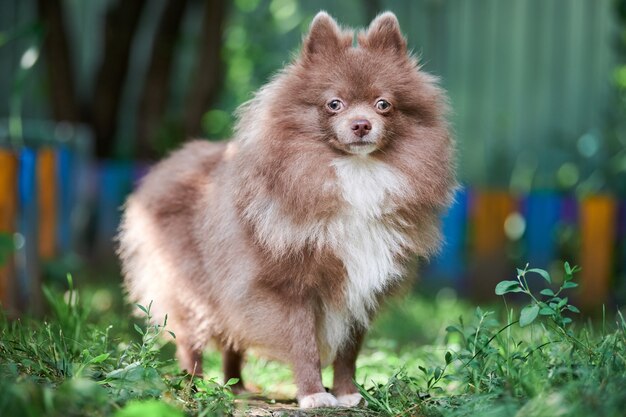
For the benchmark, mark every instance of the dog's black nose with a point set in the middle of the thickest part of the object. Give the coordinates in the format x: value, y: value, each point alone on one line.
x: 361, y: 127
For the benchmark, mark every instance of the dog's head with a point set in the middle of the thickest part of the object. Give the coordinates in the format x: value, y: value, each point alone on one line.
x: 359, y: 98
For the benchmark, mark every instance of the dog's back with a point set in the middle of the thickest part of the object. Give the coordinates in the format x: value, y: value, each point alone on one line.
x: 156, y: 244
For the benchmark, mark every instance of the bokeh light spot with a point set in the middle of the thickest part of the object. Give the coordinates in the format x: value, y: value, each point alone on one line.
x: 29, y: 58
x: 240, y: 70
x: 588, y: 145
x: 514, y: 226
x: 620, y: 76
x: 18, y: 241
x: 215, y: 122
x: 102, y: 300
x: 568, y: 174
x: 285, y: 13
x: 236, y: 38
x: 247, y: 5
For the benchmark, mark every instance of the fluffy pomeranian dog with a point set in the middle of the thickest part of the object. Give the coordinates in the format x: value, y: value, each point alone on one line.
x: 286, y: 239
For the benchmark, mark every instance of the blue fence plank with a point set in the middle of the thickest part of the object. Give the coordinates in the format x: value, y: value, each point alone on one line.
x: 449, y: 264
x: 542, y: 211
x: 115, y: 181
x: 27, y: 254
x: 66, y: 197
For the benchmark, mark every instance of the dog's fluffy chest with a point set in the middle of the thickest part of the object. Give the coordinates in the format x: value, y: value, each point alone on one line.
x: 367, y: 245
x: 360, y: 235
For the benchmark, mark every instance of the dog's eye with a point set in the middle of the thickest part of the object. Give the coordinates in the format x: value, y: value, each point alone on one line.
x: 383, y: 105
x: 335, y: 105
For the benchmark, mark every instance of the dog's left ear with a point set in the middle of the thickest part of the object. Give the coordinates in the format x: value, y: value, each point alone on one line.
x: 384, y: 34
x: 325, y: 37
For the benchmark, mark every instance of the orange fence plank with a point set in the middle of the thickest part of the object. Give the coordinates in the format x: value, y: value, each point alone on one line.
x: 598, y: 223
x: 489, y: 263
x: 489, y: 212
x: 46, y: 184
x: 8, y: 210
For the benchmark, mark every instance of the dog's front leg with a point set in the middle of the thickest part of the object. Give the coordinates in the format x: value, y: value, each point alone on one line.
x: 345, y: 368
x: 305, y: 359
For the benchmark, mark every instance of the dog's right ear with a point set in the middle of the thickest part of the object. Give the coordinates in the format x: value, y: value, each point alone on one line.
x: 325, y: 37
x: 384, y: 34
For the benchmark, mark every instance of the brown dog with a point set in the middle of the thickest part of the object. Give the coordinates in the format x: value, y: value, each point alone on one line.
x: 286, y: 238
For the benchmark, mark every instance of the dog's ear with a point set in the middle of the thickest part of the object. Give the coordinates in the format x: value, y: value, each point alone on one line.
x: 384, y: 34
x: 325, y: 37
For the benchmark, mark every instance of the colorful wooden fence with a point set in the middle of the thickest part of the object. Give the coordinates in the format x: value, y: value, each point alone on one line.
x: 38, y: 173
x: 53, y: 201
x: 479, y: 250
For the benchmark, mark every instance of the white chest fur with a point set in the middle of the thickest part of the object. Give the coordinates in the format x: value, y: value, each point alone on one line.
x: 366, y: 245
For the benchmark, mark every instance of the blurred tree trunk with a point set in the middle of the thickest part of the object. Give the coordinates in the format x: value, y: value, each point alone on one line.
x: 206, y: 82
x: 120, y: 26
x: 154, y: 96
x: 101, y: 111
x: 58, y: 61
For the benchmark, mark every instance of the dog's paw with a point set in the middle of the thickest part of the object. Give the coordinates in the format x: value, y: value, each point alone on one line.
x: 319, y: 399
x: 351, y: 400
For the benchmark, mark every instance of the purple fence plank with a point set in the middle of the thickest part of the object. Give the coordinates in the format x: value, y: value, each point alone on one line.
x: 140, y: 170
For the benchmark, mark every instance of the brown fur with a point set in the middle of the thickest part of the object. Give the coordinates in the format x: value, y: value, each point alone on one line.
x: 272, y: 241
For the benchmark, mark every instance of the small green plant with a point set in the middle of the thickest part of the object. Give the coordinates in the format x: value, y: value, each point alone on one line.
x: 548, y: 303
x: 391, y: 398
x: 213, y: 398
x: 146, y: 352
x: 137, y: 369
x: 69, y: 314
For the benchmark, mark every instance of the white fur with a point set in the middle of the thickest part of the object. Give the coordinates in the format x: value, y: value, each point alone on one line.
x: 364, y: 243
x: 350, y: 400
x: 319, y: 399
x: 140, y: 236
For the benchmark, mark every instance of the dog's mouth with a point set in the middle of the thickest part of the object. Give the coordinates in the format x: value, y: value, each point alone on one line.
x: 361, y: 143
x: 362, y: 147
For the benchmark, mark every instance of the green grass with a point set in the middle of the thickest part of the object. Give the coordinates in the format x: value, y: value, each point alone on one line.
x: 424, y: 357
